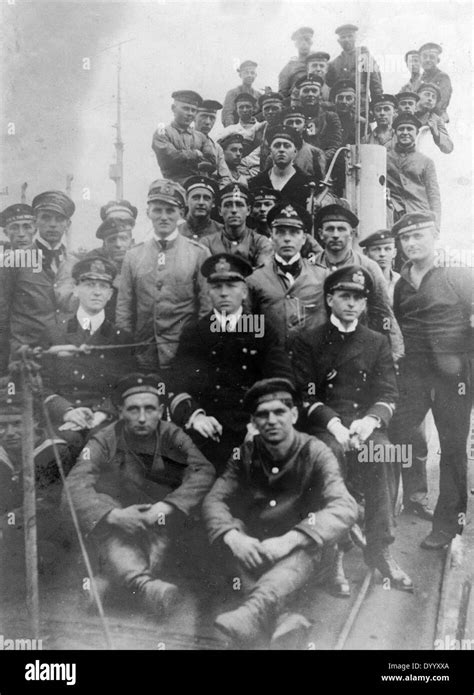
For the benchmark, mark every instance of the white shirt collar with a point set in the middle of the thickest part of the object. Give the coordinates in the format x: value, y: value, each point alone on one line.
x: 47, y: 245
x: 295, y: 258
x: 171, y: 237
x: 341, y: 328
x: 89, y: 322
x: 228, y: 319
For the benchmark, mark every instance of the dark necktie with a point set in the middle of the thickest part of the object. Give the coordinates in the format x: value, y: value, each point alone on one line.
x: 163, y: 244
x: 51, y: 257
x: 292, y: 268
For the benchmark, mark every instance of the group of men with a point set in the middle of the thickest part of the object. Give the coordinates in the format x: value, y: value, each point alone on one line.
x: 237, y: 382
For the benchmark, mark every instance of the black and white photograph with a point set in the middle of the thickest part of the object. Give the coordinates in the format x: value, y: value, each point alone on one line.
x: 236, y: 331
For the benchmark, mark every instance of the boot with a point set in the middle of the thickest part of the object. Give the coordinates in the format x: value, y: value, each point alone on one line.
x: 437, y: 539
x: 291, y: 629
x: 248, y: 623
x: 338, y: 583
x: 382, y: 560
x: 159, y: 598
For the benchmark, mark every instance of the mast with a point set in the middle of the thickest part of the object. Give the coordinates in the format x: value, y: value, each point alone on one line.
x: 116, y: 169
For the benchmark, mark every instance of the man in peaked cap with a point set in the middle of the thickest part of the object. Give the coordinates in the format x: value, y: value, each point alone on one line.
x: 429, y: 97
x: 268, y: 521
x: 161, y: 289
x: 347, y: 381
x: 33, y: 303
x: 429, y: 59
x: 219, y: 358
x: 296, y: 67
x: 247, y: 72
x: 343, y: 96
x: 205, y: 120
x: 179, y: 148
x: 18, y: 224
x: 135, y: 489
x: 202, y: 196
x: 323, y: 128
x: 411, y: 176
x: 380, y: 247
x: 383, y: 107
x: 435, y: 374
x: 233, y: 147
x: 344, y: 65
x: 236, y: 237
x: 317, y: 64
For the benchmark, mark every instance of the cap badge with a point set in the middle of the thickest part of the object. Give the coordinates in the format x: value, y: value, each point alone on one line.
x: 222, y: 266
x: 359, y: 278
x: 97, y: 267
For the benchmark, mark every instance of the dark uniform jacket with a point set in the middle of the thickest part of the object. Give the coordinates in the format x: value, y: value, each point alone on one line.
x: 264, y: 498
x: 296, y: 190
x: 108, y: 475
x: 348, y: 375
x: 214, y: 369
x: 293, y: 70
x: 190, y: 230
x: 443, y: 82
x: 112, y: 303
x: 343, y: 67
x: 324, y: 130
x: 254, y: 247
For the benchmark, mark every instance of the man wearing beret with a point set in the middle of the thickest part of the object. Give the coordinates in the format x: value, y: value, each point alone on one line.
x: 31, y: 302
x: 205, y: 120
x: 323, y: 128
x: 18, y: 222
x: 233, y: 146
x: 344, y: 67
x: 411, y: 176
x: 317, y: 64
x: 247, y: 72
x: 383, y: 107
x: 412, y: 60
x: 335, y: 226
x: 296, y: 67
x: 429, y: 96
x: 433, y: 305
x: 288, y: 290
x: 179, y: 148
x: 283, y: 176
x: 346, y: 376
x: 202, y: 195
x: 272, y: 516
x: 161, y: 288
x: 311, y: 160
x: 219, y: 358
x: 236, y: 238
x: 134, y: 488
x: 429, y: 59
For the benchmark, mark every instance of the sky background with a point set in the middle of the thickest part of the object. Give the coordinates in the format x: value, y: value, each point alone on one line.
x: 64, y: 115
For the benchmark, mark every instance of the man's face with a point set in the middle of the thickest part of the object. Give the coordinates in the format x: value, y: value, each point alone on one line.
x: 200, y: 203
x: 419, y: 244
x: 303, y: 44
x: 309, y: 94
x: 282, y: 152
x: 117, y: 245
x: 382, y: 253
x: 428, y: 100
x: 244, y: 111
x: 184, y: 114
x: 20, y: 233
x: 93, y: 295
x: 261, y: 208
x: 407, y: 106
x: 271, y: 112
x: 317, y: 67
x: 248, y: 75
x: 164, y: 217
x: 233, y: 154
x: 384, y: 114
x: 205, y: 122
x: 346, y: 40
x: 287, y: 241
x: 234, y: 211
x: 429, y: 60
x: 336, y: 235
x: 413, y: 63
x: 274, y: 421
x: 51, y: 226
x: 345, y: 101
x: 141, y: 413
x: 296, y: 123
x: 406, y: 134
x: 346, y: 305
x: 227, y: 296
x: 11, y: 431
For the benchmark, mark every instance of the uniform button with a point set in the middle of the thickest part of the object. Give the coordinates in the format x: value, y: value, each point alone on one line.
x: 217, y: 369
x: 244, y: 366
x: 213, y: 352
x: 83, y: 376
x: 272, y: 503
x: 75, y: 372
x: 78, y: 402
x: 217, y: 387
x: 241, y: 400
x: 330, y: 386
x: 102, y: 356
x: 244, y: 350
x: 275, y: 470
x: 356, y: 405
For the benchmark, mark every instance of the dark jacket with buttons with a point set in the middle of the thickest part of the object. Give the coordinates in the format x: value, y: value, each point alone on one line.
x: 85, y: 380
x: 345, y: 375
x: 264, y: 498
x: 213, y: 370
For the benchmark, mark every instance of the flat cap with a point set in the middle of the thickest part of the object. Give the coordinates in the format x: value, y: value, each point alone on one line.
x: 405, y: 117
x: 137, y: 383
x: 283, y: 132
x: 56, y: 201
x: 293, y: 112
x: 346, y: 28
x: 309, y: 80
x: 188, y: 97
x: 407, y: 95
x: 236, y: 190
x: 244, y: 97
x: 378, y: 237
x: 94, y: 268
x: 318, y: 55
x: 265, y: 193
x: 247, y: 64
x: 118, y: 208
x: 114, y: 225
x: 209, y: 106
x: 285, y: 214
x: 412, y: 221
x: 341, y: 86
x: 411, y: 53
x: 19, y: 212
x: 270, y: 97
x: 201, y: 182
x: 430, y: 46
x: 167, y: 191
x: 383, y: 99
x: 266, y: 390
x: 302, y: 31
x: 230, y: 139
x: 429, y: 87
x: 333, y: 212
x: 226, y: 266
x: 349, y: 277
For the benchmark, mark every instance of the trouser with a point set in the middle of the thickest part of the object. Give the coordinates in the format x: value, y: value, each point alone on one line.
x: 415, y: 479
x: 440, y: 383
